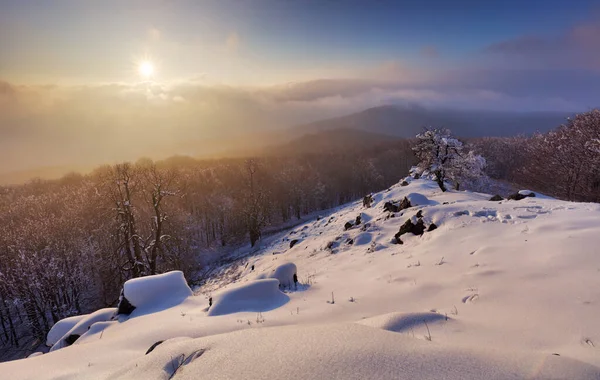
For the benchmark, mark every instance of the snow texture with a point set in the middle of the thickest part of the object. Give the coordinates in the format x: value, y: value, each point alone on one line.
x: 254, y: 296
x: 500, y: 290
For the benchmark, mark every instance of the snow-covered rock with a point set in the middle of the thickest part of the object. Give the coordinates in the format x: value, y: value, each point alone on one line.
x: 254, y: 296
x: 158, y: 292
x: 284, y: 273
x: 61, y: 327
x: 82, y: 327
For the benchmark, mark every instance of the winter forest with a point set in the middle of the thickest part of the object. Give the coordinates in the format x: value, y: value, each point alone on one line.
x: 67, y: 245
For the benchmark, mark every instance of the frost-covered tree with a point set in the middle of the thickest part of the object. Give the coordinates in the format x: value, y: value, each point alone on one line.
x: 446, y: 158
x: 566, y: 162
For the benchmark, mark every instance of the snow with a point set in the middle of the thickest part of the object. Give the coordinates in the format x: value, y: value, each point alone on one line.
x: 500, y: 290
x: 60, y: 328
x: 284, y: 273
x: 84, y: 324
x: 156, y: 292
x: 254, y: 296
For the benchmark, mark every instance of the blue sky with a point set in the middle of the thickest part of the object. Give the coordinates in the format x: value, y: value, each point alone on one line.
x: 273, y: 40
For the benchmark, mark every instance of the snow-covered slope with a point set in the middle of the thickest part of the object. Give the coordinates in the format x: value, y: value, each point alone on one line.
x: 500, y: 290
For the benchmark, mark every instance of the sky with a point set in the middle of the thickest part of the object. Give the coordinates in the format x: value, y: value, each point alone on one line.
x: 70, y: 69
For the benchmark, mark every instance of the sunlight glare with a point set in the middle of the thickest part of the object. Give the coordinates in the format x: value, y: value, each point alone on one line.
x: 146, y: 69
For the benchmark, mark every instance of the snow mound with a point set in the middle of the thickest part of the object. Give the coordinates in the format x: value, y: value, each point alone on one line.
x: 158, y: 292
x: 341, y: 351
x: 61, y: 327
x: 83, y: 325
x: 417, y: 199
x: 254, y: 296
x: 401, y: 322
x: 95, y: 329
x: 284, y: 273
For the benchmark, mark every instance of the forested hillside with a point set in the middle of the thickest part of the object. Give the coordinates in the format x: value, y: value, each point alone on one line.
x: 67, y: 246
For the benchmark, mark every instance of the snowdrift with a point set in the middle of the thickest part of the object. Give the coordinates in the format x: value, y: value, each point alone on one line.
x: 60, y: 328
x: 158, y: 292
x: 284, y: 273
x: 82, y: 327
x: 341, y: 351
x: 254, y: 296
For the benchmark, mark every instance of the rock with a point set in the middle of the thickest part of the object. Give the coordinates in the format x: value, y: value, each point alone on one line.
x: 416, y: 176
x: 419, y: 228
x: 348, y: 225
x: 125, y: 307
x: 358, y: 220
x: 367, y: 201
x: 390, y: 207
x: 432, y: 227
x: 293, y: 243
x: 350, y: 241
x: 496, y: 198
x: 71, y: 339
x: 409, y: 226
x: 154, y: 346
x: 521, y: 195
x: 405, y: 204
x: 403, y: 183
x: 419, y: 214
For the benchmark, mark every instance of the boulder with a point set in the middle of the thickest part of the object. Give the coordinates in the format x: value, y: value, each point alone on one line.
x: 404, y: 183
x: 293, y: 243
x: 368, y: 201
x: 496, y: 198
x: 414, y: 228
x: 405, y: 204
x: 521, y: 195
x: 348, y: 225
x: 432, y: 227
x: 390, y: 207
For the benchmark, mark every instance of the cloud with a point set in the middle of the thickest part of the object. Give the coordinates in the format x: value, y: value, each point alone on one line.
x: 58, y: 125
x: 232, y: 42
x: 575, y: 48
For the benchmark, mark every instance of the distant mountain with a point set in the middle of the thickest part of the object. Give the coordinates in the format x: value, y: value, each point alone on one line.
x: 330, y: 140
x: 407, y: 121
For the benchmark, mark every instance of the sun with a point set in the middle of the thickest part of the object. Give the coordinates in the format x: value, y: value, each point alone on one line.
x: 146, y: 69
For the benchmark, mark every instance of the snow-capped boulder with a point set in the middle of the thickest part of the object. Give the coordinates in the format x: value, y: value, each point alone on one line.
x: 284, y: 273
x: 254, y: 296
x: 83, y: 325
x: 61, y: 327
x: 158, y: 292
x: 522, y: 194
x: 417, y: 199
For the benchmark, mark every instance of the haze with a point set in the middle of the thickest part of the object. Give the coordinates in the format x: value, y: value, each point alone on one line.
x: 223, y: 73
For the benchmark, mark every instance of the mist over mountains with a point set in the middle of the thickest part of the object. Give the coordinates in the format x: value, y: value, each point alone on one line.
x: 407, y: 121
x: 369, y: 127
